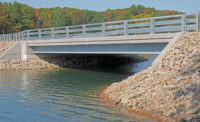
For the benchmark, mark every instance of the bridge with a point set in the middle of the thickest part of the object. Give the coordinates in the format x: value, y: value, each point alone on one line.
x: 137, y: 36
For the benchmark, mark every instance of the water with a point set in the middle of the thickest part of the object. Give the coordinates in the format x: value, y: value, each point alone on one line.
x: 57, y: 95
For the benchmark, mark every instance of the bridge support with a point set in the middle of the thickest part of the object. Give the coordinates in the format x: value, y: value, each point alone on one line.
x: 167, y: 48
x: 23, y: 50
x: 141, y: 48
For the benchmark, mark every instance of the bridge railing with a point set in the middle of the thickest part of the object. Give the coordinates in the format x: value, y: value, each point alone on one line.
x: 164, y: 24
x: 153, y: 25
x: 12, y: 37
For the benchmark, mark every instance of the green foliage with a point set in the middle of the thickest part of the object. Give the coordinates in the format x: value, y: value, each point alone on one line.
x: 3, y: 17
x: 59, y: 18
x: 16, y: 17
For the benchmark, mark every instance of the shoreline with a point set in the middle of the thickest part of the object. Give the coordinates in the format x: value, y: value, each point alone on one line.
x: 64, y: 62
x: 125, y: 109
x: 31, y: 64
x: 170, y: 89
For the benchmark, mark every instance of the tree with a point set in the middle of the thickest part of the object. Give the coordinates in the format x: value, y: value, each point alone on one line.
x: 16, y: 17
x: 59, y: 18
x: 98, y: 18
x: 4, y: 22
x: 77, y: 17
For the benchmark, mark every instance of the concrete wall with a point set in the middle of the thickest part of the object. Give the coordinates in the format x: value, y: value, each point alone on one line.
x: 146, y: 48
x: 13, y: 53
x: 19, y: 51
x: 30, y: 53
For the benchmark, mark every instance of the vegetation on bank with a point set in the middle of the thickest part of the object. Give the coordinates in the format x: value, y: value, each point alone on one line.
x: 15, y: 17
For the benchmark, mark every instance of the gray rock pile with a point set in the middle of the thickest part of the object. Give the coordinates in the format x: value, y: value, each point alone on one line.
x: 64, y: 62
x: 170, y: 89
x: 31, y: 64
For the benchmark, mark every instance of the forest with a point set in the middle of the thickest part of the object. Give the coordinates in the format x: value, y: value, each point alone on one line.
x: 15, y: 17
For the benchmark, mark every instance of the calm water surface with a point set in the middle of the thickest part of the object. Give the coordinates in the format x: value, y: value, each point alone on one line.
x: 57, y: 95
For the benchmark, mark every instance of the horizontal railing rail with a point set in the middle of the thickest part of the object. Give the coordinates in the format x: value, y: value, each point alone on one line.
x: 153, y: 25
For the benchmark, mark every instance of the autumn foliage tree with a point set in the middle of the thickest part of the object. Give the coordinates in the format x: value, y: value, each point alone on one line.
x: 16, y: 17
x: 3, y: 17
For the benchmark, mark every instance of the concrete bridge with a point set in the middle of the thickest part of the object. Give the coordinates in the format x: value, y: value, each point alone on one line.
x: 137, y: 36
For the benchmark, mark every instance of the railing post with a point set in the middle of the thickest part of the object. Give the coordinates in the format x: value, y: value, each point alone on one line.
x: 198, y: 21
x: 13, y: 37
x: 84, y: 30
x: 125, y: 27
x: 52, y: 33
x: 8, y: 37
x: 183, y: 23
x: 28, y: 35
x: 151, y: 25
x: 39, y: 34
x: 103, y: 29
x: 17, y: 36
x: 20, y: 36
x: 67, y: 32
x: 23, y: 36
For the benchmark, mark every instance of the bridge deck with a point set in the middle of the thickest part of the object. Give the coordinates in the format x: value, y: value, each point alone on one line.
x: 131, y: 39
x: 132, y: 44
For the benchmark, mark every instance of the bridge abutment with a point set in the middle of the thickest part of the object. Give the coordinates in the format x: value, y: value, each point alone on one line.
x: 23, y: 50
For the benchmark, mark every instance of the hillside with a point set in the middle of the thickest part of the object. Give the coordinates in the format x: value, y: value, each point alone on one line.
x: 16, y: 17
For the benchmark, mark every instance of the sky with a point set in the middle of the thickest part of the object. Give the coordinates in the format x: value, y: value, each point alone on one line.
x: 188, y: 6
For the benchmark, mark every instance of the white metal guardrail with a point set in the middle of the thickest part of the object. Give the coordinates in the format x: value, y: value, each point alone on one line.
x: 163, y: 24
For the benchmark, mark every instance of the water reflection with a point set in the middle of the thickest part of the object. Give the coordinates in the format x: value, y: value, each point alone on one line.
x: 63, y: 95
x: 57, y: 95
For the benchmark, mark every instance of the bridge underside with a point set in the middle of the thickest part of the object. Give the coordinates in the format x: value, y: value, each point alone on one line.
x: 117, y: 46
x: 145, y: 48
